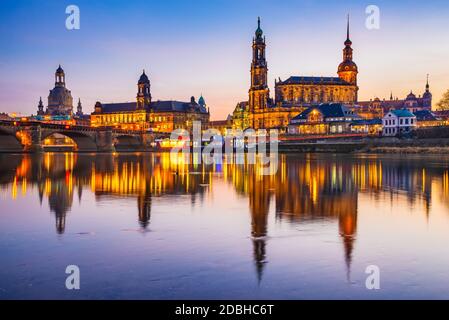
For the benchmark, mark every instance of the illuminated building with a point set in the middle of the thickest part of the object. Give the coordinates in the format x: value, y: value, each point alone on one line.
x: 333, y: 118
x: 293, y: 95
x: 223, y: 126
x: 426, y: 118
x: 412, y: 103
x: 4, y: 116
x: 145, y: 114
x: 372, y: 127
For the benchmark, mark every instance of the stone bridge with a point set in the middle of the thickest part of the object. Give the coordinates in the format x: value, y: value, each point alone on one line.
x: 28, y: 136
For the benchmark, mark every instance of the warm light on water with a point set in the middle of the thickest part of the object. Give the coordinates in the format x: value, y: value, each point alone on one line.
x: 143, y: 226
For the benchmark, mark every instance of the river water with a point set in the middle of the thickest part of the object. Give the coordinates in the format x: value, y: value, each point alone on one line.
x: 145, y: 226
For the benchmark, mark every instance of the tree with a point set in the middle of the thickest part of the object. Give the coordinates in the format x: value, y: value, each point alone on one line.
x: 443, y: 104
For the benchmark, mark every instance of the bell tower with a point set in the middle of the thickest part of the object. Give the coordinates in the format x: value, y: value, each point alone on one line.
x: 348, y: 70
x: 258, y: 92
x: 143, y: 91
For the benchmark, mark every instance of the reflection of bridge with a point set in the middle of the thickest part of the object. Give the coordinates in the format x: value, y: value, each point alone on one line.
x: 18, y: 136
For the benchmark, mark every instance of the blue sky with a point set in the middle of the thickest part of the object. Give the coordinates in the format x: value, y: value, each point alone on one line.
x: 194, y: 47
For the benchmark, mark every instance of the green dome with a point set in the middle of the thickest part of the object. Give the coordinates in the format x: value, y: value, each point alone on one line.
x: 201, y: 101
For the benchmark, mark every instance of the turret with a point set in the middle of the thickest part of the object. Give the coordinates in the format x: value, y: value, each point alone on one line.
x: 143, y: 91
x: 347, y: 70
x: 40, y: 107
x: 427, y: 96
x: 59, y: 77
x: 79, y: 109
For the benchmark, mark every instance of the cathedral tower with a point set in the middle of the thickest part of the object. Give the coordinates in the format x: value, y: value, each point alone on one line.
x: 427, y: 96
x: 143, y: 93
x: 347, y: 70
x: 259, y: 92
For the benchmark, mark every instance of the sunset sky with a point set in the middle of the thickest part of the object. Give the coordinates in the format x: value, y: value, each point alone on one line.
x: 193, y: 47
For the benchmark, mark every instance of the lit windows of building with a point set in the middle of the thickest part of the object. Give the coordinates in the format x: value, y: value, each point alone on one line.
x: 145, y: 114
x: 293, y: 95
x: 333, y: 118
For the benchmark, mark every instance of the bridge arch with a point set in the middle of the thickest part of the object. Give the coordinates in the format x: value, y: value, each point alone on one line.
x: 84, y: 142
x: 9, y: 142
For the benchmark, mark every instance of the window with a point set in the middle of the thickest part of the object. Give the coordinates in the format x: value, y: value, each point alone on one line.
x: 406, y: 121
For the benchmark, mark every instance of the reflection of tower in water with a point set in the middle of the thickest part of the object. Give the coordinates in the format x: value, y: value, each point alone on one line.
x: 144, y: 208
x: 59, y: 185
x: 309, y: 189
x: 60, y: 201
x: 259, y: 199
x: 347, y: 222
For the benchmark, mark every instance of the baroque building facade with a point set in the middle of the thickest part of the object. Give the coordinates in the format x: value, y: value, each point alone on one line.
x: 145, y: 114
x: 293, y: 95
x: 378, y: 108
x: 60, y: 101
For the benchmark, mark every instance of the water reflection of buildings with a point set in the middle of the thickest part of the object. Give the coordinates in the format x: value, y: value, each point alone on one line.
x: 59, y: 176
x: 304, y: 189
x: 310, y: 187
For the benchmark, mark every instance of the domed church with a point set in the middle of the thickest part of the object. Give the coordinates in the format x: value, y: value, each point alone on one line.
x: 60, y: 101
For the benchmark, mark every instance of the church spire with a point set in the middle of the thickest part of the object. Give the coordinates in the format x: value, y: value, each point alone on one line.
x: 259, y: 32
x: 79, y: 109
x: 40, y: 107
x: 427, y: 96
x: 348, y: 41
x: 347, y: 30
x: 348, y: 70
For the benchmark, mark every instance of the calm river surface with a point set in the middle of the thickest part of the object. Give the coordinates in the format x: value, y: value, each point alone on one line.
x: 140, y: 226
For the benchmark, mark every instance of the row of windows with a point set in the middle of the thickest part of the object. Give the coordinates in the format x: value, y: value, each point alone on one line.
x: 402, y: 121
x: 319, y: 98
x: 120, y: 118
x: 130, y: 118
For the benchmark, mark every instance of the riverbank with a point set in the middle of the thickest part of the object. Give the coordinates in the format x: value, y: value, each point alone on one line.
x: 370, y: 145
x: 407, y: 146
x: 407, y: 150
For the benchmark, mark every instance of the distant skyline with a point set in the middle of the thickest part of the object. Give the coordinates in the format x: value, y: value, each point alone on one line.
x: 189, y: 48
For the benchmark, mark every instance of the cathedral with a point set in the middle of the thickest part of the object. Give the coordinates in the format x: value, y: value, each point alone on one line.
x: 60, y: 101
x: 146, y: 114
x: 293, y: 95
